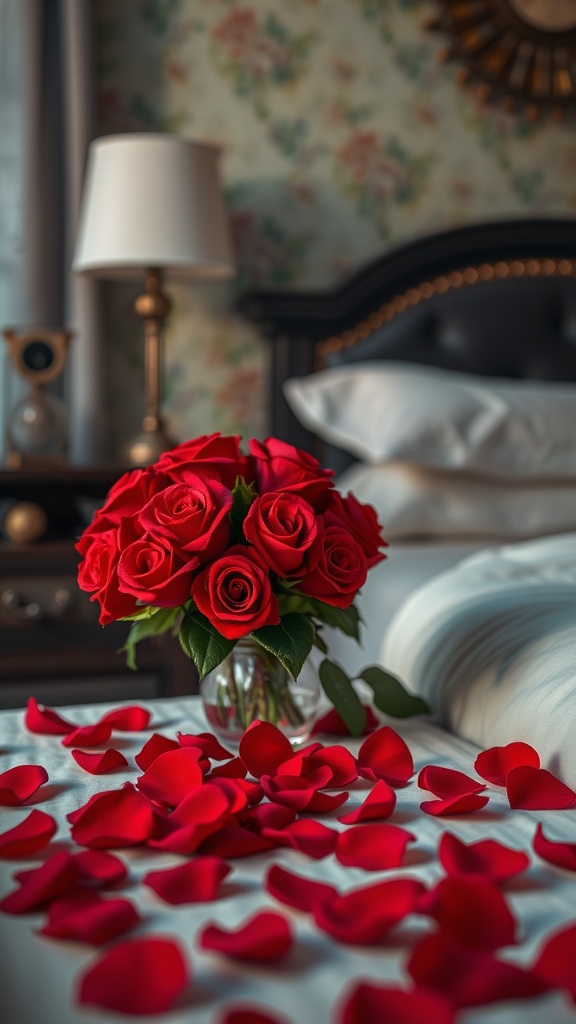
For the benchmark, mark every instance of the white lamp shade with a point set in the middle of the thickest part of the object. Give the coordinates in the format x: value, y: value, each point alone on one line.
x: 152, y: 200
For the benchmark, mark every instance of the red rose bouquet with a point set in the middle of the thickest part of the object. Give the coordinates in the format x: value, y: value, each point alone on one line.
x: 217, y: 546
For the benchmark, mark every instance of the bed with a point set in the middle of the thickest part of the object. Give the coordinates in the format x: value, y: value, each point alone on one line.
x: 487, y: 935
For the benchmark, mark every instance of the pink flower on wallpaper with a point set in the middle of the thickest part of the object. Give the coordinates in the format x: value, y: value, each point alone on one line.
x: 256, y: 53
x: 361, y: 156
x: 266, y: 254
x: 239, y: 395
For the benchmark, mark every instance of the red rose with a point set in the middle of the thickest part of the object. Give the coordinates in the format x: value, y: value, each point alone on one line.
x: 281, y: 467
x: 97, y: 572
x: 235, y: 595
x: 155, y: 573
x: 130, y: 493
x: 283, y: 528
x: 340, y: 571
x: 360, y: 520
x: 193, y: 516
x: 211, y: 456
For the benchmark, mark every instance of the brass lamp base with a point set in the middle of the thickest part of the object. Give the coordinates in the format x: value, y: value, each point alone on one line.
x: 147, y: 447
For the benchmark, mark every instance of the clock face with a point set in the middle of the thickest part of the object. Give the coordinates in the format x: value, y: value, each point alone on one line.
x: 547, y: 15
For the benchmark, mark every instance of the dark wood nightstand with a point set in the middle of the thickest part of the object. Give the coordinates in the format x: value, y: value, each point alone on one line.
x: 51, y: 643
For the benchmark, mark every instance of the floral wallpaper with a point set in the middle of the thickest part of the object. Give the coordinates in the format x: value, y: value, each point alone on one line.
x: 342, y: 135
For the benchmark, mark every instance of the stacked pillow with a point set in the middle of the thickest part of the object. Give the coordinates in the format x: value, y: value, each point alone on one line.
x: 445, y: 453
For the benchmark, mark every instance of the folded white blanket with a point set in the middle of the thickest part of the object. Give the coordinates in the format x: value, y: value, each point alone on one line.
x: 491, y: 646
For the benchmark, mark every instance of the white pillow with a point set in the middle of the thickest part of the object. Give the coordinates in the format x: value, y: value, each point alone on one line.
x: 415, y: 502
x: 383, y: 411
x: 491, y: 646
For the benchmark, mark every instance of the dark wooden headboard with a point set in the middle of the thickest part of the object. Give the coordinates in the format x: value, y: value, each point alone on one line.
x: 497, y: 299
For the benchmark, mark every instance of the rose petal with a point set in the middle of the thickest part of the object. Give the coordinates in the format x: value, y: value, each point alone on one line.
x: 250, y: 1015
x: 369, y: 1002
x: 156, y: 745
x: 263, y: 748
x: 468, y: 977
x: 340, y: 761
x: 99, y: 764
x: 310, y: 837
x: 29, y: 836
x: 291, y: 790
x: 465, y: 804
x: 131, y: 718
x: 196, y: 881
x: 472, y: 911
x: 45, y: 721
x: 89, y: 918
x: 555, y: 963
x: 233, y: 841
x: 333, y: 725
x: 486, y: 858
x: 232, y: 769
x: 495, y: 763
x: 373, y: 847
x: 363, y: 916
x: 563, y: 855
x: 268, y: 816
x: 120, y: 817
x: 88, y: 735
x: 185, y: 839
x: 264, y: 937
x: 138, y: 976
x: 323, y: 803
x: 41, y: 885
x: 202, y: 804
x: 207, y: 743
x: 385, y: 754
x: 536, y: 789
x: 294, y: 890
x: 379, y: 803
x: 447, y: 782
x: 98, y: 867
x: 18, y: 784
x: 172, y: 775
x: 237, y: 795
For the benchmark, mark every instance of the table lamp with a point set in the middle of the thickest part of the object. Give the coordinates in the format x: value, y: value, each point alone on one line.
x: 152, y: 204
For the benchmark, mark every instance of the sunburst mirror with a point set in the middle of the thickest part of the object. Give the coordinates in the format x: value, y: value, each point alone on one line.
x: 518, y: 52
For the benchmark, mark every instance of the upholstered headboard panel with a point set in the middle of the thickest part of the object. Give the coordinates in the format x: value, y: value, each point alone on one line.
x: 494, y: 299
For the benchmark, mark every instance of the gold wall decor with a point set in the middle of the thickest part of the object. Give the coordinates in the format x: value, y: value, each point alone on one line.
x: 520, y: 53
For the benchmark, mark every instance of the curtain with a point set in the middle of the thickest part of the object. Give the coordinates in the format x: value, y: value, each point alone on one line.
x: 46, y: 122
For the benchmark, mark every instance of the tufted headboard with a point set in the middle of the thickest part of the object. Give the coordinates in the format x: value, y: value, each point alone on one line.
x: 497, y: 299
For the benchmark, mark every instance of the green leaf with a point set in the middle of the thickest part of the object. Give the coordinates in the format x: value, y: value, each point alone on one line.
x: 158, y: 621
x: 203, y: 644
x: 242, y: 497
x: 390, y: 695
x: 320, y: 644
x: 291, y: 641
x: 347, y: 620
x: 339, y: 690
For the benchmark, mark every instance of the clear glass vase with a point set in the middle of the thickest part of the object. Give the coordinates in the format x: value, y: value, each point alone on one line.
x: 252, y: 684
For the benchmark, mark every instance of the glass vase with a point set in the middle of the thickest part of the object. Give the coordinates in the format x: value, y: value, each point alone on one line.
x: 252, y: 684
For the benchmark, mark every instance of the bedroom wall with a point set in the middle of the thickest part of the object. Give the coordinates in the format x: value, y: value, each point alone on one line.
x: 341, y: 136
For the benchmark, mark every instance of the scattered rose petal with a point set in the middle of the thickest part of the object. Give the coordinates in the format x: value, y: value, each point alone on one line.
x: 468, y: 977
x: 131, y: 718
x: 234, y: 841
x: 536, y: 789
x: 323, y: 803
x: 363, y: 917
x: 88, y: 735
x: 45, y: 721
x: 99, y: 764
x: 86, y: 917
x: 310, y: 837
x: 265, y: 937
x: 100, y: 868
x: 267, y: 816
x: 232, y: 769
x: 202, y: 804
x: 18, y: 784
x: 370, y: 1003
x: 172, y: 775
x: 379, y: 803
x: 495, y: 763
x: 293, y: 791
x: 156, y: 745
x: 121, y: 817
x: 472, y: 911
x: 341, y: 762
x: 207, y: 743
x: 41, y: 885
x: 29, y: 836
x: 294, y: 890
x: 465, y: 804
x: 196, y: 881
x: 385, y: 755
x: 332, y: 724
x: 186, y: 839
x: 250, y: 1015
x: 237, y: 795
x: 263, y: 748
x: 486, y: 858
x: 563, y: 855
x: 138, y: 976
x: 374, y: 847
x: 555, y: 962
x: 447, y: 782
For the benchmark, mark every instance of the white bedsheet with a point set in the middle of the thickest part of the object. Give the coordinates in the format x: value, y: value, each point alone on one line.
x: 491, y: 646
x: 39, y: 975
